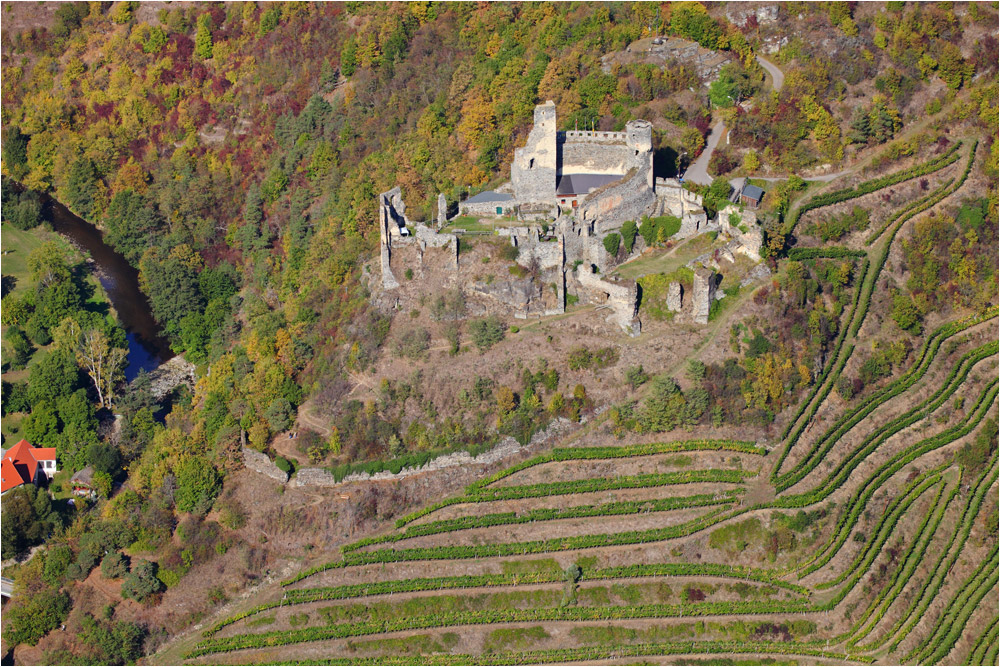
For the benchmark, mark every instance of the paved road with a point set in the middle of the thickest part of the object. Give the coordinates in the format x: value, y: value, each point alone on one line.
x: 698, y: 171
x: 737, y: 183
x: 776, y: 74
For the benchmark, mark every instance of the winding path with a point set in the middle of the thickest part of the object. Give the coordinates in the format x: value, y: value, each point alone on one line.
x: 777, y: 76
x: 698, y: 171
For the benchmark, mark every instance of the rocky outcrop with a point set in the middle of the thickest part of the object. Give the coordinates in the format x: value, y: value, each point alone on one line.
x: 170, y: 374
x: 259, y: 462
x: 517, y: 293
x: 758, y: 272
x: 762, y: 13
x: 702, y: 293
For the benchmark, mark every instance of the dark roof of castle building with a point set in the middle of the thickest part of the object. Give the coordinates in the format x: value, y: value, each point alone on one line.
x: 488, y: 196
x: 581, y: 184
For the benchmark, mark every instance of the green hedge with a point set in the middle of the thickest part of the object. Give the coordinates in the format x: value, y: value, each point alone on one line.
x: 546, y: 489
x: 854, y: 506
x: 951, y: 624
x: 801, y: 254
x: 851, y: 419
x: 348, y: 591
x: 628, y: 451
x: 867, y: 187
x: 877, y: 609
x: 915, y: 612
x: 988, y: 638
x: 490, y: 617
x: 519, y: 548
x: 589, y: 453
x: 884, y: 527
x: 550, y: 514
x: 601, y: 653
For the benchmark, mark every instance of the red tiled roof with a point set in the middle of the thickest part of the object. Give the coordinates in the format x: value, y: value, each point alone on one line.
x: 44, y: 453
x: 10, y: 477
x: 20, y: 464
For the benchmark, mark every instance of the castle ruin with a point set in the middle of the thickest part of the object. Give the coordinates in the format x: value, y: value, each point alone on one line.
x: 568, y: 191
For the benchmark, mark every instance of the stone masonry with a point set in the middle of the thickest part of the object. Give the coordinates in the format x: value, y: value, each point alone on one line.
x: 584, y: 185
x: 622, y: 299
x: 702, y: 294
x: 675, y: 297
x: 442, y: 213
x: 259, y: 462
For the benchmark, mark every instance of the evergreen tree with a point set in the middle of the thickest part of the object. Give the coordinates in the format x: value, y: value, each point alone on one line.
x: 203, y: 38
x: 81, y: 187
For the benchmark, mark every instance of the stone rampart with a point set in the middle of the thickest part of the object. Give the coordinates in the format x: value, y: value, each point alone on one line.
x: 506, y: 448
x: 259, y: 462
x: 592, y: 137
x: 628, y: 199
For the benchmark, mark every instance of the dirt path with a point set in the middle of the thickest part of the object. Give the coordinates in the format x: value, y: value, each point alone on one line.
x: 306, y: 418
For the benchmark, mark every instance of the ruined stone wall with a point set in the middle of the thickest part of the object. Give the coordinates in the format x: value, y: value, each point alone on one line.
x: 673, y: 199
x: 442, y: 210
x: 259, y: 462
x: 749, y: 242
x: 533, y: 171
x: 702, y: 294
x: 596, y: 158
x: 532, y: 249
x: 628, y: 199
x: 389, y: 218
x: 622, y: 299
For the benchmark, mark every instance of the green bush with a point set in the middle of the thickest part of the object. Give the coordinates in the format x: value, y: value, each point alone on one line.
x: 611, y: 243
x: 629, y: 232
x: 36, y: 615
x: 141, y: 582
x: 487, y: 331
x: 114, y: 565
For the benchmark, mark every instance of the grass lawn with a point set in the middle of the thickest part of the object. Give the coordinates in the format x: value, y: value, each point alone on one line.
x: 665, y: 261
x: 12, y: 428
x: 17, y: 245
x: 468, y: 223
x: 62, y: 479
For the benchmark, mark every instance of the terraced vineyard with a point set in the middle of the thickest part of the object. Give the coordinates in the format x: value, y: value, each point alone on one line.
x: 864, y: 536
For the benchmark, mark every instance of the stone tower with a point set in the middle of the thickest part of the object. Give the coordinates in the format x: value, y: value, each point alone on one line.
x: 639, y: 136
x: 533, y: 172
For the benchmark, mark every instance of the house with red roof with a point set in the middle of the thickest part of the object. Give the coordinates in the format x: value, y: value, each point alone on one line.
x: 24, y: 464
